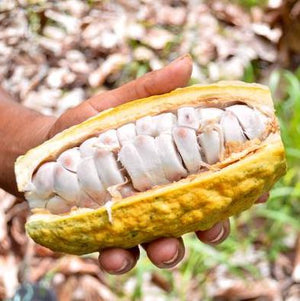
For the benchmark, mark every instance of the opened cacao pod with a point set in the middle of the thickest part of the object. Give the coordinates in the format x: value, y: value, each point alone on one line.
x: 155, y: 167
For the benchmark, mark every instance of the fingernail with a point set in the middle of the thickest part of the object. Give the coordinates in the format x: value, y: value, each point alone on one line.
x: 172, y: 260
x: 124, y: 268
x: 263, y: 198
x: 219, y: 235
x: 182, y: 57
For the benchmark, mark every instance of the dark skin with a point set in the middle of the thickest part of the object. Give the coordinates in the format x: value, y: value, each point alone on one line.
x: 22, y: 129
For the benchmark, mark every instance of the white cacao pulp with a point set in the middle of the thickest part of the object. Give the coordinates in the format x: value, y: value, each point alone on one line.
x: 155, y: 150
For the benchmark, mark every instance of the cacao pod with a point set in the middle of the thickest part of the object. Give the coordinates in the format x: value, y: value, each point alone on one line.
x: 155, y: 167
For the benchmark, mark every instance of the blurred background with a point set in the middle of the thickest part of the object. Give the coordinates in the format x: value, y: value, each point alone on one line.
x: 55, y: 54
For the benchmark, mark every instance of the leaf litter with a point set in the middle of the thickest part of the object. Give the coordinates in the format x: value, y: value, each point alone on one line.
x: 54, y: 55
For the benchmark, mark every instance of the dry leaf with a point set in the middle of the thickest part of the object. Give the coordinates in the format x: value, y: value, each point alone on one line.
x: 9, y: 274
x: 161, y: 282
x: 157, y: 38
x: 229, y: 12
x: 239, y: 290
x: 112, y: 64
x: 171, y: 15
x: 69, y: 265
x: 70, y: 23
x: 296, y: 270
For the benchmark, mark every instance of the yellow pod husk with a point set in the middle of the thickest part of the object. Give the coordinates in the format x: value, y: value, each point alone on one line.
x: 194, y: 203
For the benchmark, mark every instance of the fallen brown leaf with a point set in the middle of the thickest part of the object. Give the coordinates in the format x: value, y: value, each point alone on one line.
x: 296, y: 269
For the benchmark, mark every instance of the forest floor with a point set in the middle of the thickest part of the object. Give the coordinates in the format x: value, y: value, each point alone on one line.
x: 54, y: 55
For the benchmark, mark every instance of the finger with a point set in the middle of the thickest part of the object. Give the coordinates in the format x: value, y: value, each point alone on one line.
x: 165, y: 252
x: 175, y: 75
x: 216, y: 234
x: 118, y: 261
x: 263, y: 198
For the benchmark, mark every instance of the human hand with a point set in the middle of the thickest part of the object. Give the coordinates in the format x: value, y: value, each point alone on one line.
x: 163, y: 252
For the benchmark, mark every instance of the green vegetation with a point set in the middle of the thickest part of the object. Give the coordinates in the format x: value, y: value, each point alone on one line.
x: 251, y: 3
